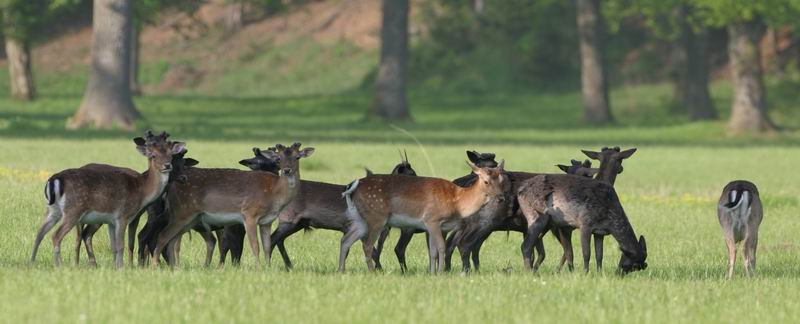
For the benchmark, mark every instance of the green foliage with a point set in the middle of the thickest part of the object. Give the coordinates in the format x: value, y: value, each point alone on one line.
x: 21, y: 18
x: 723, y: 12
x: 515, y: 44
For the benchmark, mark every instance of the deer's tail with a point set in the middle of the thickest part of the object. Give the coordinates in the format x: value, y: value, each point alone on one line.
x: 53, y: 190
x: 738, y: 197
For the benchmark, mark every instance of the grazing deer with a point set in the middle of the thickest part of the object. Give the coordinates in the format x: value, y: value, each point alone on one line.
x: 433, y: 204
x: 569, y: 201
x: 610, y: 166
x: 482, y: 160
x: 740, y: 213
x: 156, y: 218
x: 222, y: 197
x: 106, y: 194
x: 320, y: 205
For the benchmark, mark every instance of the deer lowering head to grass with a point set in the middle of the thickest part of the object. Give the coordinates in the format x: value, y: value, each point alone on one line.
x: 223, y: 197
x: 103, y: 194
x: 568, y: 201
x: 433, y: 204
x: 740, y: 213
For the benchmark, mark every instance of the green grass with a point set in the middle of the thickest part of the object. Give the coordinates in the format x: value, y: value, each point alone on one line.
x: 669, y: 190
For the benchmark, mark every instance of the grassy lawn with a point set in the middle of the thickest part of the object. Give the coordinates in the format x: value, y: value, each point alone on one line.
x: 669, y: 190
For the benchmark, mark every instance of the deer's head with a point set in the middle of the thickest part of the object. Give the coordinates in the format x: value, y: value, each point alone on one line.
x: 159, y: 151
x: 482, y: 160
x: 610, y: 160
x: 288, y: 158
x: 404, y: 167
x: 260, y: 161
x: 493, y: 179
x: 631, y: 261
x: 577, y: 168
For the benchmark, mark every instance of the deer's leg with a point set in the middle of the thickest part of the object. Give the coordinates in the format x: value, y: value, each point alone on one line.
x: 62, y: 231
x: 355, y: 232
x: 400, y: 249
x: 179, y: 221
x: 436, y: 247
x: 235, y: 234
x: 78, y: 240
x: 536, y: 227
x: 144, y: 237
x: 450, y: 244
x: 731, y: 255
x: 376, y: 254
x: 373, y: 230
x: 586, y: 236
x: 284, y: 230
x: 211, y: 243
x: 220, y: 233
x: 476, y: 250
x: 52, y: 216
x: 88, y: 240
x: 540, y: 252
x: 132, y: 227
x: 749, y: 250
x: 119, y: 238
x: 266, y: 243
x: 175, y: 257
x: 250, y: 228
x: 567, y: 257
x: 598, y: 251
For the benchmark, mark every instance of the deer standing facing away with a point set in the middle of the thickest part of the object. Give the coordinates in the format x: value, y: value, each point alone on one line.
x: 740, y: 213
x: 106, y: 194
x: 569, y: 201
x: 222, y: 197
x: 433, y: 204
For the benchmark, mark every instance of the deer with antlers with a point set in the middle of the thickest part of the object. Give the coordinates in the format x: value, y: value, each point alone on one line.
x: 433, y: 204
x: 98, y: 193
x: 221, y: 197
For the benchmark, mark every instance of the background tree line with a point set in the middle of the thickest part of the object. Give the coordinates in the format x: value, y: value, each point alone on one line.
x: 474, y: 46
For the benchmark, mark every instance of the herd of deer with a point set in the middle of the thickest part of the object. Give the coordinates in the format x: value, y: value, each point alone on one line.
x: 227, y: 205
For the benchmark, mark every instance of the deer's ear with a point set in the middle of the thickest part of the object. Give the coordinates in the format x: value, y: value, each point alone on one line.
x: 474, y: 168
x: 140, y: 146
x: 178, y: 147
x: 473, y: 156
x: 369, y: 172
x: 563, y: 168
x: 592, y: 155
x: 627, y: 153
x: 502, y: 165
x: 190, y: 162
x: 251, y: 164
x: 306, y: 152
x: 643, y: 243
x: 270, y: 154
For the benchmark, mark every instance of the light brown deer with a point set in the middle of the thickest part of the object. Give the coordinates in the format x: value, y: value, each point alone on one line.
x: 433, y: 204
x: 221, y: 197
x: 104, y: 194
x: 740, y: 212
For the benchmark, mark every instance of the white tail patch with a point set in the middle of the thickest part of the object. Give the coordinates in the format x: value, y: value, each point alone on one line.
x: 352, y: 212
x: 740, y: 213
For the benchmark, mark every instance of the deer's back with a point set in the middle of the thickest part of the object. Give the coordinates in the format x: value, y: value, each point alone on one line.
x: 223, y: 189
x: 405, y: 195
x: 320, y: 202
x: 102, y: 188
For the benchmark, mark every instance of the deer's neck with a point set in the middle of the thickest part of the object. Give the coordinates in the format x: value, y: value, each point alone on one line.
x: 153, y: 182
x: 290, y: 185
x: 470, y: 199
x: 606, y: 174
x: 623, y: 233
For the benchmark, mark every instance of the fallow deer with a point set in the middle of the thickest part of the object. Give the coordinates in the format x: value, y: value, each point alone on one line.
x: 433, y: 204
x: 740, y: 212
x: 319, y: 205
x: 222, y: 197
x: 106, y: 194
x: 591, y: 206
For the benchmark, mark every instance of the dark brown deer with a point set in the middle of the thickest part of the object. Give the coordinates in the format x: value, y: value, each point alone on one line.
x: 569, y: 201
x: 434, y: 204
x: 739, y: 211
x: 106, y: 194
x: 222, y: 197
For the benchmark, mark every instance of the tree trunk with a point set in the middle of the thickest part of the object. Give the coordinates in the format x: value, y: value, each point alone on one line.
x: 390, y: 85
x: 749, y: 110
x: 594, y: 80
x: 107, y: 99
x: 234, y: 20
x: 477, y: 7
x: 136, y: 89
x: 692, y: 83
x: 19, y: 69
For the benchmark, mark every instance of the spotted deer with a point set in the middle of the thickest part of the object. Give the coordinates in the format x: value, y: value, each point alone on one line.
x: 223, y: 197
x: 739, y: 211
x: 106, y: 194
x: 433, y: 204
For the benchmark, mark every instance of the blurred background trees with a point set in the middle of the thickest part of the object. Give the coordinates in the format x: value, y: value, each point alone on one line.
x: 392, y: 48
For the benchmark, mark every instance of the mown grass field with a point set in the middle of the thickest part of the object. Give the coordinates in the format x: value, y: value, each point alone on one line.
x: 669, y: 189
